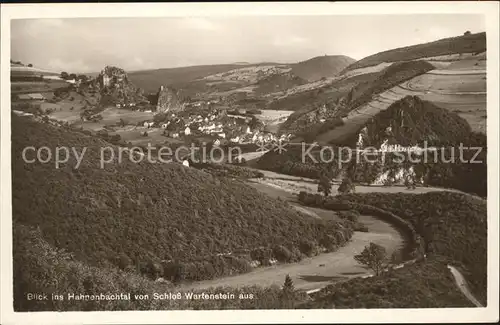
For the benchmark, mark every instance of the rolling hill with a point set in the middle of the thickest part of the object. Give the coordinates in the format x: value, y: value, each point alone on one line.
x: 152, y: 219
x: 409, y: 121
x: 472, y: 43
x: 453, y: 227
x: 321, y: 67
x: 150, y: 80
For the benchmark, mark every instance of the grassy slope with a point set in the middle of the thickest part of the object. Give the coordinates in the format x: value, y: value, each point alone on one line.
x: 360, y: 88
x: 391, y: 76
x: 321, y: 66
x: 422, y: 285
x: 474, y: 43
x: 137, y: 214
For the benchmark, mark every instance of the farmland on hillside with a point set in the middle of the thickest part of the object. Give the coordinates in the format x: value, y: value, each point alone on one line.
x: 473, y: 43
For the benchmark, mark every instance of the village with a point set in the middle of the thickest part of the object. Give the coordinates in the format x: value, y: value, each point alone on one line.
x: 209, y: 122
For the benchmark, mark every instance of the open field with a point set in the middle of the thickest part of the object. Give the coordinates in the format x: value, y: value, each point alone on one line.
x: 273, y: 116
x: 294, y: 185
x: 44, y: 87
x: 319, y: 271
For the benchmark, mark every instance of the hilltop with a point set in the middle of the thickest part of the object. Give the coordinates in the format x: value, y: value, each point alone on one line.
x: 115, y: 87
x: 407, y: 122
x: 153, y: 219
x: 259, y: 78
x: 471, y: 43
x: 150, y: 80
x: 321, y: 67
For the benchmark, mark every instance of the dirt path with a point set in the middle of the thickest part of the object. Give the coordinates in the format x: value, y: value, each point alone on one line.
x: 462, y: 285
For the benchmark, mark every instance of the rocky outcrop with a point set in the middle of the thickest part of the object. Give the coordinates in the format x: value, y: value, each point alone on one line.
x: 116, y: 88
x: 168, y: 101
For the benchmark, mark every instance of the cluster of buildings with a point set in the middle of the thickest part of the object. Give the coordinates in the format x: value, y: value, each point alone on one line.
x: 260, y: 137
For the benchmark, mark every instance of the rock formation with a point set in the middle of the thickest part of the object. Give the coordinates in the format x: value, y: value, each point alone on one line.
x: 168, y: 101
x: 116, y: 88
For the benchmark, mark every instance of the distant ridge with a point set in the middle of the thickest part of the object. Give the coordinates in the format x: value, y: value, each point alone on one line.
x: 471, y: 43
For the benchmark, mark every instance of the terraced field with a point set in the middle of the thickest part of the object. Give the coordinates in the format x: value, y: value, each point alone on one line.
x: 463, y: 92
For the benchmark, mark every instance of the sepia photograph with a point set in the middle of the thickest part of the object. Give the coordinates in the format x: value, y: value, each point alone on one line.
x: 302, y: 160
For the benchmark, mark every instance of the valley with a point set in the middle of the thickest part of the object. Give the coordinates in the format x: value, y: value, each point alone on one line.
x: 250, y: 220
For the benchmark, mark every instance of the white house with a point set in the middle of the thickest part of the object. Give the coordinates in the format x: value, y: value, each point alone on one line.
x: 222, y: 135
x: 185, y: 163
x: 217, y: 142
x: 359, y: 144
x: 175, y: 135
x: 187, y: 130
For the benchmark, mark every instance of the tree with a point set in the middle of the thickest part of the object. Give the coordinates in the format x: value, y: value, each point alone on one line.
x: 325, y: 185
x: 373, y: 256
x: 82, y: 77
x: 30, y: 65
x: 72, y: 76
x: 64, y: 75
x: 347, y: 186
x: 467, y: 32
x: 288, y: 285
x: 288, y: 293
x: 254, y: 123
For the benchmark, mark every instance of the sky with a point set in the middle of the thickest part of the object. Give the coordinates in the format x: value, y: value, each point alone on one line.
x: 89, y: 44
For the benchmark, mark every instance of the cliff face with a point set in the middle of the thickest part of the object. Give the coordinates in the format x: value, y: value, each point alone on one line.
x: 168, y: 101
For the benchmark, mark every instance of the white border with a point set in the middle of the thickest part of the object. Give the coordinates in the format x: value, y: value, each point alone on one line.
x: 488, y: 9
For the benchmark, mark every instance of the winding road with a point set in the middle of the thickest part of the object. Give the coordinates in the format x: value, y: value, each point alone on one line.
x: 314, y: 273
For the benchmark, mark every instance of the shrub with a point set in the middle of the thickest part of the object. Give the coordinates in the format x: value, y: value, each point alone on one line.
x: 282, y: 254
x: 262, y: 255
x: 308, y: 247
x: 351, y: 215
x: 329, y: 242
